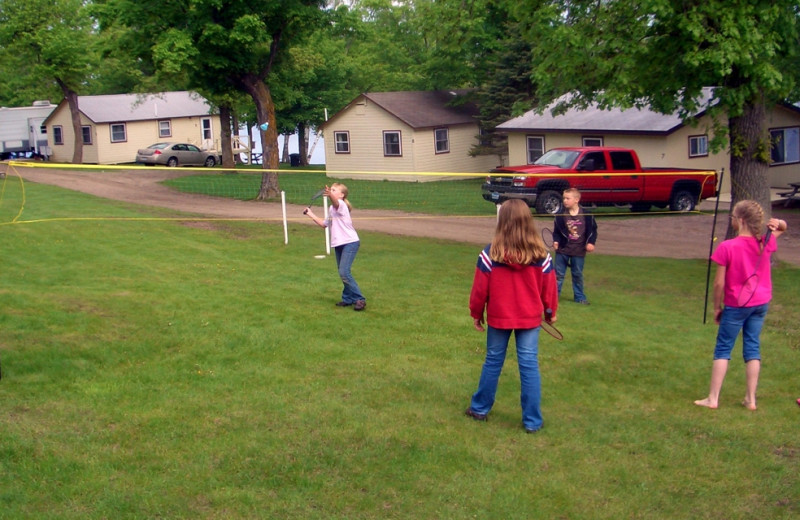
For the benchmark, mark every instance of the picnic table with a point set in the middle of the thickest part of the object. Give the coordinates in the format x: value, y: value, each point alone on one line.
x: 791, y: 195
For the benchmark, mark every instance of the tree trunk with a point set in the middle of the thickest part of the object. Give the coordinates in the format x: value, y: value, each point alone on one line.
x: 302, y: 143
x: 750, y: 155
x: 72, y: 100
x: 225, y: 136
x: 285, y: 155
x: 235, y: 124
x: 265, y: 109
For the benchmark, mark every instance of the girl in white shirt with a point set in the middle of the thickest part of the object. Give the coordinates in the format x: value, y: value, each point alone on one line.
x: 345, y: 242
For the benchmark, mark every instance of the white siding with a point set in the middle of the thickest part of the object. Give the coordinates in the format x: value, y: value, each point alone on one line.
x: 365, y: 124
x: 140, y: 134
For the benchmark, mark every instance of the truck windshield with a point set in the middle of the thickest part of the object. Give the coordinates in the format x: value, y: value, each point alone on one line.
x: 560, y: 158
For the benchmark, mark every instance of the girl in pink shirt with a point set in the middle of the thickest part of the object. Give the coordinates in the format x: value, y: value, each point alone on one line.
x: 737, y: 259
x: 344, y: 241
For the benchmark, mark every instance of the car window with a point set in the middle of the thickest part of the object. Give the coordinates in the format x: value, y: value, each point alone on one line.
x: 622, y: 161
x: 192, y: 148
x: 179, y: 147
x: 599, y: 160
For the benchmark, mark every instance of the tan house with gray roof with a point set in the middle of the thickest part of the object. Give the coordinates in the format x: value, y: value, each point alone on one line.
x: 659, y: 140
x: 410, y: 135
x: 115, y: 126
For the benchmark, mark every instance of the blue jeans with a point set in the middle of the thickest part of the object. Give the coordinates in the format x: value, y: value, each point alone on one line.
x: 576, y: 263
x: 345, y: 256
x: 528, y: 360
x: 747, y: 319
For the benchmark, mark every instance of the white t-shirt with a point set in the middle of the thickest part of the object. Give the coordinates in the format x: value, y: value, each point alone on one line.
x: 341, y: 225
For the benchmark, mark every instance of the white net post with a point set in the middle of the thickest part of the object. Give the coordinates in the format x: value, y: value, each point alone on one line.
x: 327, y: 229
x: 285, y: 225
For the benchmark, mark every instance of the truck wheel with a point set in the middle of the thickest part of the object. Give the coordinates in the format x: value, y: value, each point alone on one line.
x: 682, y: 201
x: 549, y: 202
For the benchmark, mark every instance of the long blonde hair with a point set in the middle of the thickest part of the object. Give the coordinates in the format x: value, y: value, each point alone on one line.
x: 516, y: 238
x: 752, y: 215
x: 344, y: 191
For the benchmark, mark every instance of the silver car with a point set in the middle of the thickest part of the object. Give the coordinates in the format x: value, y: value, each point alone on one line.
x: 175, y: 154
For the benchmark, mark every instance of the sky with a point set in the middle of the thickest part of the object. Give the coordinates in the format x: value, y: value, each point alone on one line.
x: 317, y: 156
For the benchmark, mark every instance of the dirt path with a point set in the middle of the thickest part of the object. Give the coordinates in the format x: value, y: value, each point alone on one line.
x: 669, y: 236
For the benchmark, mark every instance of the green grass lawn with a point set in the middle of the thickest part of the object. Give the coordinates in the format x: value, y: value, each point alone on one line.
x: 177, y: 369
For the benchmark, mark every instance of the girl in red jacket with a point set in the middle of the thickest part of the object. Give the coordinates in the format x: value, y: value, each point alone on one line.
x: 514, y: 283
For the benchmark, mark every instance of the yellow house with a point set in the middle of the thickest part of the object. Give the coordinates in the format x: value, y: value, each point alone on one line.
x: 659, y: 140
x: 115, y: 126
x: 408, y: 136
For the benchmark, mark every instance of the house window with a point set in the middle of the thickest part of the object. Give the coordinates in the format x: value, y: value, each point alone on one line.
x: 535, y: 147
x: 58, y: 135
x: 698, y: 145
x: 592, y: 141
x: 118, y: 133
x: 391, y: 143
x: 164, y: 129
x: 785, y: 145
x: 206, y: 123
x: 442, y: 138
x: 341, y: 142
x: 86, y: 132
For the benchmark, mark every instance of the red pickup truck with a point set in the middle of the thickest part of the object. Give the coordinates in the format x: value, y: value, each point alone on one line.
x: 604, y: 175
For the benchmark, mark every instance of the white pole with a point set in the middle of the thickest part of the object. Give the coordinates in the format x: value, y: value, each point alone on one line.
x: 327, y: 230
x: 283, y: 209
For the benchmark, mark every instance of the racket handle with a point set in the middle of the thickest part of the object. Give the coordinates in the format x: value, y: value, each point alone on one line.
x: 548, y: 315
x: 305, y: 211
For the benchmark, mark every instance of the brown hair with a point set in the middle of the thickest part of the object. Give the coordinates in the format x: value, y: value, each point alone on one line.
x: 344, y: 191
x: 516, y: 239
x: 752, y: 215
x: 573, y: 191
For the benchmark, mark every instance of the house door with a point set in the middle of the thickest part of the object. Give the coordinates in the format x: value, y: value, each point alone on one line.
x: 208, y: 134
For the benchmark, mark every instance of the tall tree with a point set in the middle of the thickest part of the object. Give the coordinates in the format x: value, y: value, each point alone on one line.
x: 53, y: 42
x: 223, y: 44
x: 661, y: 53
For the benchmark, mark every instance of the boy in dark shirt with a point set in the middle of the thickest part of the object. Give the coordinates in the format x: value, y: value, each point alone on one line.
x: 574, y: 235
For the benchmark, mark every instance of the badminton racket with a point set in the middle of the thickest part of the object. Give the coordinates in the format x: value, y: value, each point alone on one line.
x: 547, y: 238
x: 315, y: 197
x: 751, y: 284
x: 548, y: 326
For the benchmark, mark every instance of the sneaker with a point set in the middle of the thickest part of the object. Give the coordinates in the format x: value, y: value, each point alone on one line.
x: 582, y: 302
x: 343, y: 304
x: 360, y: 305
x: 475, y: 415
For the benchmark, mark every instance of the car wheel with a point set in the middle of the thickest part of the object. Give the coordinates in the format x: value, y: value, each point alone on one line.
x: 172, y: 162
x: 210, y: 162
x: 549, y: 202
x: 682, y: 201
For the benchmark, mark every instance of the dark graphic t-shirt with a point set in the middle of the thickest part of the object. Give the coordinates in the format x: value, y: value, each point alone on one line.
x: 576, y: 236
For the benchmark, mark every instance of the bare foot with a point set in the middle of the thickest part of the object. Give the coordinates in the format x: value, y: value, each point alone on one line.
x: 750, y: 406
x: 707, y: 403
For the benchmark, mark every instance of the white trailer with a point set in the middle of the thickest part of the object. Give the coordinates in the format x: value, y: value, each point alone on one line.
x: 21, y: 130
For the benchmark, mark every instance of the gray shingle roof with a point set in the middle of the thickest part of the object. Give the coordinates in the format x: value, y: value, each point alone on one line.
x: 142, y: 107
x: 422, y: 109
x: 593, y: 119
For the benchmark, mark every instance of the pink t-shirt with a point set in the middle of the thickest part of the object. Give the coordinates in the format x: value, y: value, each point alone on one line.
x: 739, y: 255
x: 341, y: 225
